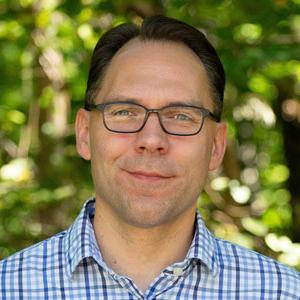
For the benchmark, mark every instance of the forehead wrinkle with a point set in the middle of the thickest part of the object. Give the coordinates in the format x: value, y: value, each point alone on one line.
x: 175, y: 102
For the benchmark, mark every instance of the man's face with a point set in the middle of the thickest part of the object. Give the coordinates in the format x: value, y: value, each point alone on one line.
x: 150, y: 178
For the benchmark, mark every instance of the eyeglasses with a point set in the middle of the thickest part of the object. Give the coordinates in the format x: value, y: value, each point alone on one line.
x: 128, y: 117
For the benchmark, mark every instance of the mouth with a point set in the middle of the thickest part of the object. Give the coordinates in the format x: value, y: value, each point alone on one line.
x: 149, y: 177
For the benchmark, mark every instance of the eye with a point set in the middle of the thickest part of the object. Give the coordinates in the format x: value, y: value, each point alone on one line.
x: 122, y: 112
x: 179, y: 116
x: 182, y: 117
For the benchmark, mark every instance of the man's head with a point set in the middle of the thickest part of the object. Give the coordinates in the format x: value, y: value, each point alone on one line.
x: 150, y: 177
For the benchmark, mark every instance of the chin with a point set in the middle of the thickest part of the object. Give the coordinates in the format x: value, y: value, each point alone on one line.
x: 146, y: 223
x: 148, y: 217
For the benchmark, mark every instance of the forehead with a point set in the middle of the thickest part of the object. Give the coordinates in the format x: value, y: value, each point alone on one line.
x: 156, y: 70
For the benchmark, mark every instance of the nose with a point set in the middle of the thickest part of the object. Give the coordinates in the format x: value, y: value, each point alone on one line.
x: 152, y: 138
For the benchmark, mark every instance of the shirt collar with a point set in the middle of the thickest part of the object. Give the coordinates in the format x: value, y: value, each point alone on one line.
x: 204, y: 246
x: 80, y: 242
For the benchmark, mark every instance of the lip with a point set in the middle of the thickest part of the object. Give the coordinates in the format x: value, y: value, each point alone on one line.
x: 148, y: 176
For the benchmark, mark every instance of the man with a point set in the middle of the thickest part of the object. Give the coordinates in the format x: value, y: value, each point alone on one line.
x: 151, y: 129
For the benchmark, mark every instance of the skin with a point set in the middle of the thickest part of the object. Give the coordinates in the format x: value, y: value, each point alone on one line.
x: 147, y: 183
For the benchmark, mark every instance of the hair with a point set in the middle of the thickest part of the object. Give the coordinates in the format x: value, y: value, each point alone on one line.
x: 156, y: 28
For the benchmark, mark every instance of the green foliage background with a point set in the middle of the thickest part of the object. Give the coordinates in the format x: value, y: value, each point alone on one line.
x: 45, y: 48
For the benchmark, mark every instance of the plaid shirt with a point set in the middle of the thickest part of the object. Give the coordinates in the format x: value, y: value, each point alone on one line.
x: 69, y: 266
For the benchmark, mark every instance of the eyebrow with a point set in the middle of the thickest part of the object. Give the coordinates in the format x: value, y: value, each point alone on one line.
x: 192, y: 102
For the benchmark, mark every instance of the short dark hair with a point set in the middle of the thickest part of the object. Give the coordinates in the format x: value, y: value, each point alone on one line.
x: 156, y: 28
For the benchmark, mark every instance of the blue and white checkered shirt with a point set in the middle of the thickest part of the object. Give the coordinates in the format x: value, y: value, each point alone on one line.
x: 70, y: 266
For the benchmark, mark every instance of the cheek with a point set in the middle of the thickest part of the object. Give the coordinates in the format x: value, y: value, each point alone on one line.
x: 195, y: 160
x: 106, y: 147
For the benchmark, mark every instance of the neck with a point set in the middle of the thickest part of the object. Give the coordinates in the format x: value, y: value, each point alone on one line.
x: 142, y: 253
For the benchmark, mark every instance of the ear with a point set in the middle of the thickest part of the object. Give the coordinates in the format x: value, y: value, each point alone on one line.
x: 219, y: 147
x: 82, y: 134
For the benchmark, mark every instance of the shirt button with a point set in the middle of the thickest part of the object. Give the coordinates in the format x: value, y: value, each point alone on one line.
x: 177, y: 271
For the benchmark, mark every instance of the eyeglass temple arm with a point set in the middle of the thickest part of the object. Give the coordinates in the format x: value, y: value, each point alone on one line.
x: 89, y: 106
x: 213, y: 116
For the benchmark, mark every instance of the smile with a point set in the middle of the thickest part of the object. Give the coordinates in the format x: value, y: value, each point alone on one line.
x: 148, y: 177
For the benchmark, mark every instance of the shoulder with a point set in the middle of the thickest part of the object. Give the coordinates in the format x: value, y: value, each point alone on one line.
x: 257, y: 269
x: 33, y: 257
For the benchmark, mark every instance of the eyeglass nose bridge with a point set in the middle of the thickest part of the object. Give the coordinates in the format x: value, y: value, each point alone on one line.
x: 148, y: 112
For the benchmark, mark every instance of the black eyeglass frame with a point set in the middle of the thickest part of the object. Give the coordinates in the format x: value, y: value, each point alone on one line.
x: 101, y: 107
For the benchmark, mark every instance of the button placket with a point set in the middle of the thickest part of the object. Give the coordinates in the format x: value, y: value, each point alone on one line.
x: 165, y: 281
x: 127, y: 284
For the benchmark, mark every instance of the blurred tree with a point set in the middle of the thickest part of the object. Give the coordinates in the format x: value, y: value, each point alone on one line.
x: 45, y: 46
